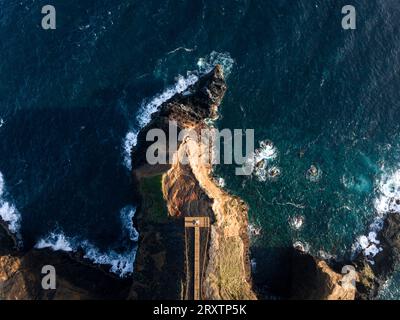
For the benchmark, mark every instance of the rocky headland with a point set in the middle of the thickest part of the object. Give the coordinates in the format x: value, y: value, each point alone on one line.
x: 189, y: 190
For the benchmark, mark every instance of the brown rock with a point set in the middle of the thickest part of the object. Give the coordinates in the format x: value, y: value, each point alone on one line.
x: 314, y: 279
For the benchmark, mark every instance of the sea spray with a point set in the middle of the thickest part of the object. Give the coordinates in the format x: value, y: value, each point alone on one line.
x: 147, y: 108
x: 120, y: 263
x: 56, y: 242
x: 127, y: 215
x: 8, y: 212
x: 224, y: 59
x: 386, y: 202
x: 262, y: 162
x: 389, y: 194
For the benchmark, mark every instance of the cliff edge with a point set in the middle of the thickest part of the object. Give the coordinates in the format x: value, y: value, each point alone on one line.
x: 188, y: 189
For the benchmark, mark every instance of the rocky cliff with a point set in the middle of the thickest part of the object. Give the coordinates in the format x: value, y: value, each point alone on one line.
x: 189, y: 190
x: 21, y: 275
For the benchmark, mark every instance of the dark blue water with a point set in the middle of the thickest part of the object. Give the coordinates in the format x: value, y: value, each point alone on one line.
x: 323, y: 95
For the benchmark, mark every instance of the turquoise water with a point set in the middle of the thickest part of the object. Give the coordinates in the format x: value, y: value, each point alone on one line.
x: 323, y: 95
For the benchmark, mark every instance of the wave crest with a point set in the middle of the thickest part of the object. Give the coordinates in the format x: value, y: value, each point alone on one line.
x: 147, y: 108
x: 386, y: 202
x: 224, y: 59
x: 8, y: 212
x: 120, y: 263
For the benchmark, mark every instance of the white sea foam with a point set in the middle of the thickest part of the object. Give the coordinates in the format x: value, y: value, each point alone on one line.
x: 127, y: 215
x: 8, y: 212
x: 1, y: 122
x: 253, y: 230
x: 220, y: 182
x: 1, y: 184
x: 120, y: 263
x: 253, y: 264
x: 296, y: 222
x: 326, y: 256
x: 181, y: 48
x: 56, y: 242
x: 387, y: 202
x: 224, y: 59
x: 389, y: 194
x: 261, y: 161
x: 129, y: 142
x: 302, y: 246
x: 267, y: 151
x: 314, y: 176
x: 146, y: 110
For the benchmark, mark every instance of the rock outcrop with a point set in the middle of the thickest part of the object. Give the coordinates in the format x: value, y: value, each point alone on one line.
x: 188, y: 189
x: 373, y: 276
x: 314, y: 279
x: 21, y: 276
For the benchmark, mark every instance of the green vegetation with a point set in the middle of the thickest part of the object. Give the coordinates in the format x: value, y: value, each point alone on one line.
x: 154, y: 203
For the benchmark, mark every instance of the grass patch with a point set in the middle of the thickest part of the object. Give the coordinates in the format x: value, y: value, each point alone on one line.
x: 154, y: 203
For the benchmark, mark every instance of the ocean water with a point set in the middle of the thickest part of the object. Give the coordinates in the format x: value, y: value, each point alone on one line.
x: 73, y: 99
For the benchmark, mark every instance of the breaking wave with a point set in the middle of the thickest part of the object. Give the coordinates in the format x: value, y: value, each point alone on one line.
x: 8, y: 212
x: 56, y: 242
x: 147, y: 108
x: 120, y: 263
x: 143, y: 116
x: 302, y: 246
x: 262, y: 162
x: 296, y: 222
x: 224, y: 59
x: 386, y: 202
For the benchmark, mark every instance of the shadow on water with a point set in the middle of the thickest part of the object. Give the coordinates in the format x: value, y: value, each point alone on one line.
x: 273, y: 273
x: 64, y: 170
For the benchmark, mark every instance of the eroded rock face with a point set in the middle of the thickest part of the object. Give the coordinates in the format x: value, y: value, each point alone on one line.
x: 228, y: 270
